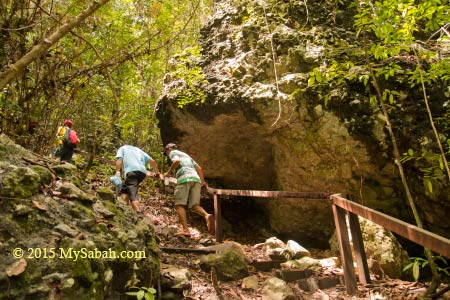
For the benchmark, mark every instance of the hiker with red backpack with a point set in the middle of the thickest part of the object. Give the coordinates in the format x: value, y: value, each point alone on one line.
x: 66, y: 141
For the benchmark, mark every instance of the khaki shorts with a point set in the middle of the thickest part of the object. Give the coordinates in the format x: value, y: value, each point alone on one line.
x: 188, y: 194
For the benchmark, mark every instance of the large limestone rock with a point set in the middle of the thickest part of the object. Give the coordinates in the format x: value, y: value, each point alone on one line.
x: 48, y: 232
x: 385, y: 255
x: 256, y: 132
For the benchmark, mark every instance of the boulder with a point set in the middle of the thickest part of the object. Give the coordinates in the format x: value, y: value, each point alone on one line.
x: 295, y: 250
x: 175, y: 279
x: 385, y: 255
x: 278, y: 250
x: 229, y: 265
x: 276, y: 289
x: 302, y: 264
x: 250, y: 283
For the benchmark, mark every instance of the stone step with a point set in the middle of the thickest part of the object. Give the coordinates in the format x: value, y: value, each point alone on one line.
x: 266, y: 265
x: 293, y: 275
x: 312, y: 284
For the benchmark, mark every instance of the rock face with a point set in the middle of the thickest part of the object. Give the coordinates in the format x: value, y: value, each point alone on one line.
x: 385, y: 255
x: 48, y: 233
x: 259, y: 127
x: 229, y: 265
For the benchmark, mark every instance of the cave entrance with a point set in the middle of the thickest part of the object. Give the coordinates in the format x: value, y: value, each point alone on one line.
x: 251, y: 217
x: 244, y: 220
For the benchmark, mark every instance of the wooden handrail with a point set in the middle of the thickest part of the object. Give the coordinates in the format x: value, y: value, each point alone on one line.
x: 252, y: 193
x: 269, y: 194
x: 341, y: 207
x: 413, y: 233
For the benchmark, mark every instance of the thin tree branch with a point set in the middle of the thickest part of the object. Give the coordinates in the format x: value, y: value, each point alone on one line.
x: 37, y: 51
x: 430, y: 116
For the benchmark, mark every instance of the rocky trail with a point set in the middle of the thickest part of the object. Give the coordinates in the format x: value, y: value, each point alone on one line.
x: 186, y: 274
x: 50, y: 211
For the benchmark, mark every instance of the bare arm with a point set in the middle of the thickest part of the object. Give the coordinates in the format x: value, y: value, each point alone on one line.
x: 118, y: 165
x: 155, y: 168
x: 172, y: 167
x: 200, y: 173
x: 154, y: 165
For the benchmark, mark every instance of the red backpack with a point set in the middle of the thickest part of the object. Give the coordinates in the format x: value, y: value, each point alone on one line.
x: 70, y: 137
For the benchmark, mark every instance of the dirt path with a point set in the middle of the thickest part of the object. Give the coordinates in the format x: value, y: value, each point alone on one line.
x: 159, y: 210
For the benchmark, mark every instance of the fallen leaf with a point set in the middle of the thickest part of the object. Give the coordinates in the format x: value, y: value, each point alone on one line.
x: 39, y: 206
x: 16, y: 268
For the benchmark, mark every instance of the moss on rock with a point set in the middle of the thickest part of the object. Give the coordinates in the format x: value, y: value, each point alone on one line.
x: 59, y: 226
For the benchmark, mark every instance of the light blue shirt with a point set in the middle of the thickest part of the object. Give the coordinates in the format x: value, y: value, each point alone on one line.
x: 133, y: 159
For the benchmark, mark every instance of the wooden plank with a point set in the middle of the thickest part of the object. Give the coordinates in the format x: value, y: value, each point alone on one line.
x: 269, y: 194
x: 345, y: 249
x: 358, y: 246
x: 218, y: 218
x: 413, y: 233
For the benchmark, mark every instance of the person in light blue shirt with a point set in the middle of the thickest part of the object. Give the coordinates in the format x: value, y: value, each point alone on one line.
x: 134, y: 162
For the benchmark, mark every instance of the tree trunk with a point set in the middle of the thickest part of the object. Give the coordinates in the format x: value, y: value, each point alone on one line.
x: 436, y: 278
x: 37, y: 51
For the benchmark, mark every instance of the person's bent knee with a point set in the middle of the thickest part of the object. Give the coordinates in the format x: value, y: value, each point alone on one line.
x: 192, y: 208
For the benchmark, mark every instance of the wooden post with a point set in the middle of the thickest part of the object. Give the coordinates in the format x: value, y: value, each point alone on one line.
x: 218, y: 218
x: 358, y: 246
x: 345, y: 249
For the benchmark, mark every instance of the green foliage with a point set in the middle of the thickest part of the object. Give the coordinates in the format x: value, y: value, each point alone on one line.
x: 419, y: 263
x: 332, y: 77
x: 191, y: 76
x: 430, y: 164
x: 107, y: 77
x: 393, y: 53
x: 143, y: 293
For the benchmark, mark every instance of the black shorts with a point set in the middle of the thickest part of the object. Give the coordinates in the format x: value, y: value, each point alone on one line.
x: 66, y: 152
x: 131, y: 184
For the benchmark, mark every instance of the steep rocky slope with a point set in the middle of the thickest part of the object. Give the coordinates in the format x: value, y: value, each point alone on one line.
x: 46, y: 216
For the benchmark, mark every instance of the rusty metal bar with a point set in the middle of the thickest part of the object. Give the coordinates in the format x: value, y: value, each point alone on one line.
x: 218, y: 218
x: 345, y: 249
x: 358, y: 246
x: 413, y: 233
x: 269, y: 194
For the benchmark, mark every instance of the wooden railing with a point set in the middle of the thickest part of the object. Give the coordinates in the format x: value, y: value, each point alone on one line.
x: 341, y: 208
x: 248, y: 193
